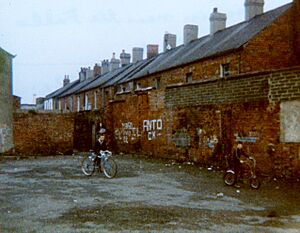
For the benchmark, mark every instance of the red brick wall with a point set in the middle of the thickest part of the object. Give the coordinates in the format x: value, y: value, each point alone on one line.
x: 43, y: 133
x: 272, y: 48
x: 190, y: 133
x: 185, y: 121
x: 138, y: 123
x: 247, y: 105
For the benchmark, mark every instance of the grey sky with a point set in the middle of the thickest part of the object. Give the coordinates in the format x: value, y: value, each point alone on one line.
x: 52, y: 38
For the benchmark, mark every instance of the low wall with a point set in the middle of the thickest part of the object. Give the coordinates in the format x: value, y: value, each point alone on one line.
x: 43, y: 133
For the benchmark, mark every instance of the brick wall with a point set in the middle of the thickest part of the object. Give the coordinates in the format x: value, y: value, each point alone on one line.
x: 211, y: 131
x: 273, y: 48
x: 276, y: 86
x: 43, y: 133
x: 285, y: 85
x: 200, y: 121
x: 139, y: 123
x: 244, y: 105
x: 297, y: 29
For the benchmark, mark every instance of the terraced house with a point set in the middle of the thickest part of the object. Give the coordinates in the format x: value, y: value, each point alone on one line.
x: 193, y: 101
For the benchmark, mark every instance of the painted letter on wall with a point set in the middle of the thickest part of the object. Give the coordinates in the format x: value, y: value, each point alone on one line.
x: 152, y: 127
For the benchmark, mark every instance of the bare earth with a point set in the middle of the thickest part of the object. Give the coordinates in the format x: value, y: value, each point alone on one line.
x: 52, y: 195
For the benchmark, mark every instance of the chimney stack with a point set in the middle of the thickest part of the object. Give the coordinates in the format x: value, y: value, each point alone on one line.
x: 97, y: 70
x: 169, y: 41
x: 137, y: 54
x: 85, y: 73
x: 66, y: 80
x: 253, y: 8
x: 104, y: 67
x: 114, y: 63
x: 82, y: 74
x: 125, y: 58
x: 152, y: 50
x: 217, y: 21
x: 190, y: 33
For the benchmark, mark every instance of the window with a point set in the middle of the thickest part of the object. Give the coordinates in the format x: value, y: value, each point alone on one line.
x: 78, y: 103
x: 87, y: 105
x: 189, y: 77
x: 65, y: 105
x: 86, y: 102
x: 157, y: 83
x: 137, y: 86
x: 59, y: 105
x: 225, y: 70
x: 71, y: 103
x: 95, y: 100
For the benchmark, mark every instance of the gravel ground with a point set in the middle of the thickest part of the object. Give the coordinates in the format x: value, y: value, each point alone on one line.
x: 148, y: 195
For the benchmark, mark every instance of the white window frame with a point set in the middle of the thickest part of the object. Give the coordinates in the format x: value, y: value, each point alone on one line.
x: 224, y: 70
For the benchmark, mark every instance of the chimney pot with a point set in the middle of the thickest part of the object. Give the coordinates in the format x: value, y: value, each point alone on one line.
x: 66, y: 80
x: 104, y: 67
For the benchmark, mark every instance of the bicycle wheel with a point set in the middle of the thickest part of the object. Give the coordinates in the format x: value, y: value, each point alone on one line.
x: 254, y: 183
x: 109, y: 167
x: 229, y: 178
x: 87, y: 166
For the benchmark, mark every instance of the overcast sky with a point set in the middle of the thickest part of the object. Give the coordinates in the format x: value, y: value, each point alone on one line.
x: 51, y: 38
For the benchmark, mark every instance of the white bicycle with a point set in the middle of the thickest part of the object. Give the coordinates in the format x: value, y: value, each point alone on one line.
x: 103, y: 161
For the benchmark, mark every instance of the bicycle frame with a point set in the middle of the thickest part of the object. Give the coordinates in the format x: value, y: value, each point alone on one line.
x: 230, y: 176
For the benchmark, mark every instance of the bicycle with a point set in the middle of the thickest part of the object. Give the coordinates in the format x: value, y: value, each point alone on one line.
x: 231, y: 178
x: 103, y: 161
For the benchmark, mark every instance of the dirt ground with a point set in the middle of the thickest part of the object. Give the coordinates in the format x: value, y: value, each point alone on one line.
x: 148, y: 195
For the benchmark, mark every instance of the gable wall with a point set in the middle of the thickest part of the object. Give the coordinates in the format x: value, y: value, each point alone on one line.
x: 273, y: 48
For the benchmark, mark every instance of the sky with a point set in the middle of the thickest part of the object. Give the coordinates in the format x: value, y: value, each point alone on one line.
x: 54, y: 38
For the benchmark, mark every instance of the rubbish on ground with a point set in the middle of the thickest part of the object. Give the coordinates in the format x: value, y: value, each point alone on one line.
x: 220, y: 195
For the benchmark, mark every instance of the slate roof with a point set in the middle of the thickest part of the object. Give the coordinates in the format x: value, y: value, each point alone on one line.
x: 77, y: 87
x: 228, y: 39
x: 123, y: 77
x: 225, y: 40
x: 62, y: 89
x: 102, y: 79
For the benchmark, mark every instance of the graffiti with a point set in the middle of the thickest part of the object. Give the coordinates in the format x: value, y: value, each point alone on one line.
x: 127, y: 133
x: 246, y: 139
x: 5, y: 138
x: 212, y: 142
x: 181, y: 138
x: 207, y: 140
x: 152, y: 127
x: 252, y: 137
